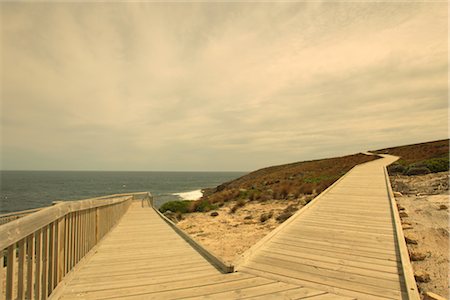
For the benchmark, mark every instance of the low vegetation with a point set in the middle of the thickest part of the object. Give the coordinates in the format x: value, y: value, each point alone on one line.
x: 418, y: 159
x: 301, y: 180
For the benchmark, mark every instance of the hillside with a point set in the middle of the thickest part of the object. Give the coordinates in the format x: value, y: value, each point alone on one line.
x: 422, y: 158
x: 300, y: 180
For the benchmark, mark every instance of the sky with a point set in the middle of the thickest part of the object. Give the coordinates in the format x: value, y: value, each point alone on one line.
x: 217, y: 86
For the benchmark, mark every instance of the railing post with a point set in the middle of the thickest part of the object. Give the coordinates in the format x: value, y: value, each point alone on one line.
x: 60, y: 249
x: 97, y: 224
x: 2, y: 276
x: 11, y: 260
x: 30, y: 266
x: 21, y: 270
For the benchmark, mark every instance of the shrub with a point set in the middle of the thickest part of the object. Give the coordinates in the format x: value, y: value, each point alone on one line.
x: 265, y: 216
x: 240, y: 203
x: 176, y: 206
x: 307, y: 188
x: 437, y: 164
x: 413, y: 170
x: 287, y: 213
x: 205, y: 206
x: 396, y: 169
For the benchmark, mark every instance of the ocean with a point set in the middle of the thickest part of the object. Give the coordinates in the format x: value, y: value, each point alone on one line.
x: 21, y: 190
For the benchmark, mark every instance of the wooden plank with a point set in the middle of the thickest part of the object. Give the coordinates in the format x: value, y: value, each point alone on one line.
x: 295, y: 293
x: 44, y: 283
x: 346, y: 227
x: 38, y: 273
x: 60, y: 254
x: 106, y: 283
x: 328, y: 297
x: 348, y: 261
x: 315, y: 285
x: 250, y: 292
x: 129, y: 279
x: 357, y: 269
x: 2, y: 274
x: 50, y: 260
x: 340, y: 233
x: 30, y: 267
x: 324, y: 252
x: 190, y: 288
x: 356, y: 220
x: 21, y: 270
x: 11, y: 260
x: 324, y: 280
x: 355, y: 245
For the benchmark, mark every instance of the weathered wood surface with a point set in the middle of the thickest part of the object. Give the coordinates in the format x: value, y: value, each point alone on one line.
x: 345, y: 243
x: 144, y: 258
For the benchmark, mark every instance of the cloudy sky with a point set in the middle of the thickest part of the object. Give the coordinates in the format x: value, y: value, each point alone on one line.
x: 225, y: 86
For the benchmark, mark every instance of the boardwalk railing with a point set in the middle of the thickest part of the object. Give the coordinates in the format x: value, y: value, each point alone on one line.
x: 38, y: 250
x: 8, y: 217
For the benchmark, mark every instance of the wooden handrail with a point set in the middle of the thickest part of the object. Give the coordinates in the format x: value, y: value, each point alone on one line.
x: 39, y: 249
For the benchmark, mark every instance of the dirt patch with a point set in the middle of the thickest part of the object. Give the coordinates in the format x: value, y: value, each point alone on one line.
x: 424, y: 209
x: 227, y: 234
x: 429, y: 184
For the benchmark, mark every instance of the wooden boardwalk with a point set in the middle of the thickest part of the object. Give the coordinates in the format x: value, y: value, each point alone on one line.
x: 143, y: 258
x: 343, y: 245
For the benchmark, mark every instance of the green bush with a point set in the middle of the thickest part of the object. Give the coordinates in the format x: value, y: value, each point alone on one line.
x: 414, y: 170
x: 437, y: 164
x: 205, y: 206
x: 176, y: 206
x: 396, y: 169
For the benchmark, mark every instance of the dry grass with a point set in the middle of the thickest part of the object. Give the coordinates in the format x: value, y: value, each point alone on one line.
x: 291, y: 181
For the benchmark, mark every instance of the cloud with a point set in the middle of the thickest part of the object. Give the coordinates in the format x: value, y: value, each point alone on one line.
x: 223, y: 86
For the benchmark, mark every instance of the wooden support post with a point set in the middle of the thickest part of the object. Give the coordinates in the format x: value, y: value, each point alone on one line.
x: 21, y: 270
x: 2, y: 274
x: 37, y: 277
x: 60, y: 254
x: 44, y: 286
x: 30, y: 267
x: 11, y: 260
x: 51, y: 247
x: 97, y: 224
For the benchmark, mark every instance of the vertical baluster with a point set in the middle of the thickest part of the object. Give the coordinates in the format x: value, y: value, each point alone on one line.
x: 75, y: 244
x: 37, y: 277
x: 11, y: 260
x: 55, y: 254
x: 30, y: 267
x: 21, y: 270
x: 44, y: 285
x: 83, y: 246
x: 2, y: 273
x: 69, y: 243
x: 72, y: 241
x: 51, y: 241
x: 61, y: 248
x: 66, y: 244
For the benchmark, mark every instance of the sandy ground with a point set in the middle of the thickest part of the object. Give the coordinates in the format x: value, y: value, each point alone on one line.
x: 424, y: 201
x: 229, y: 234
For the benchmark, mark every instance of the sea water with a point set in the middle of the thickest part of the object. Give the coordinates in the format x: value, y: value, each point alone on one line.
x: 21, y: 190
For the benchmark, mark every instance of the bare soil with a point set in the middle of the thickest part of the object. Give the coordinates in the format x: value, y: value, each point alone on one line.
x: 425, y: 200
x: 228, y: 235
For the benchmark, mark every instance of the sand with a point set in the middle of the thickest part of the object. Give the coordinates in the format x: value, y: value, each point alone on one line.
x: 425, y: 202
x: 228, y: 235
